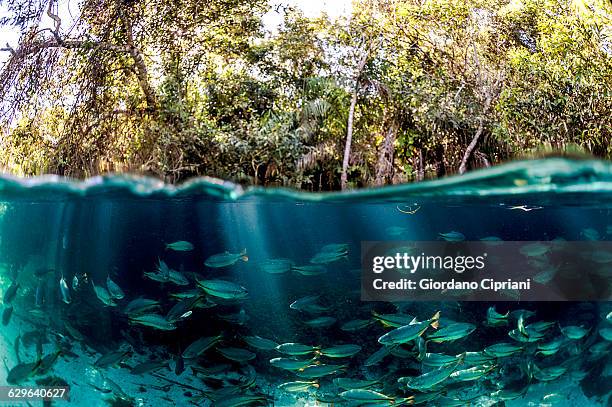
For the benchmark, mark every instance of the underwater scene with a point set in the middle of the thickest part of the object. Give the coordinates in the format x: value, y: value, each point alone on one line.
x: 135, y: 293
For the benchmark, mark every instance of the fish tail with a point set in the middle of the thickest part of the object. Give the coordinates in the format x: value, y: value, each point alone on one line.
x: 435, y: 320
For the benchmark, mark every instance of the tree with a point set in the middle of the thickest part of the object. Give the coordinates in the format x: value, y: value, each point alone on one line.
x: 399, y: 90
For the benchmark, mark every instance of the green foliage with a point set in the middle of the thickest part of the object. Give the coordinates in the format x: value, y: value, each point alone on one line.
x: 175, y: 89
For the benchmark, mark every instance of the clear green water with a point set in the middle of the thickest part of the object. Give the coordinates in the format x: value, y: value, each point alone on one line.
x: 119, y: 227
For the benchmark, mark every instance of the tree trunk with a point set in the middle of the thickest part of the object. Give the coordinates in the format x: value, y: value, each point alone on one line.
x: 421, y: 166
x: 384, y: 166
x: 485, y: 110
x: 349, y: 125
x: 470, y: 148
x: 349, y: 139
x: 139, y: 64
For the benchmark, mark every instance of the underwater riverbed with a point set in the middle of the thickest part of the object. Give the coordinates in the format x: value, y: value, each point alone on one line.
x: 132, y: 292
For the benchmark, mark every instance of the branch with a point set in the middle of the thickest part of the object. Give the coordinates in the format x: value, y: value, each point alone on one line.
x: 56, y: 20
x: 141, y: 67
x: 37, y: 46
x: 9, y: 49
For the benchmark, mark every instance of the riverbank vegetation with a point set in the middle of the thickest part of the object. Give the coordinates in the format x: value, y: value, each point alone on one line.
x: 396, y: 91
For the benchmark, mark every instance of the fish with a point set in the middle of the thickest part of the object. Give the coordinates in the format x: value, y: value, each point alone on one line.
x: 507, y: 395
x: 260, y: 343
x: 75, y: 282
x: 200, y: 346
x: 492, y: 240
x: 590, y: 234
x: 393, y: 320
x: 475, y: 358
x: 65, y: 291
x: 427, y: 380
x: 350, y: 384
x: 335, y: 248
x: 401, y: 352
x: 599, y: 349
x: 574, y: 332
x: 550, y: 348
x: 291, y: 364
x: 341, y: 351
x: 554, y: 398
x: 178, y: 278
x: 496, y: 319
x: 502, y: 349
x: 103, y: 295
x: 605, y: 333
x: 472, y: 373
x: 534, y: 249
x: 22, y: 372
x: 378, y: 356
x: 409, y: 332
x: 321, y: 322
x: 423, y: 398
x: 452, y: 332
x: 525, y: 313
x: 540, y: 326
x: 225, y: 259
x: 522, y: 334
x: 180, y: 246
x: 159, y: 277
x: 6, y: 315
x: 309, y: 305
x: 140, y: 306
x: 276, y: 266
x: 154, y: 321
x: 223, y: 289
x: 73, y: 332
x: 328, y: 257
x: 238, y: 318
x: 452, y: 236
x: 182, y: 309
x: 237, y: 354
x: 11, y: 293
x: 545, y: 276
x: 181, y: 295
x: 298, y: 386
x: 396, y: 231
x: 316, y: 371
x: 114, y: 290
x: 296, y: 349
x: 147, y: 367
x: 47, y: 362
x: 366, y: 397
x: 438, y: 360
x: 310, y: 270
x: 111, y: 358
x: 356, y: 325
x: 549, y: 373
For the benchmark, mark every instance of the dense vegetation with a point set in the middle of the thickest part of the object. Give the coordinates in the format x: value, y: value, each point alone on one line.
x: 397, y: 91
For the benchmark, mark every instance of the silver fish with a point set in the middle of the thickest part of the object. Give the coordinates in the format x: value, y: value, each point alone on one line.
x: 115, y: 291
x: 65, y: 291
